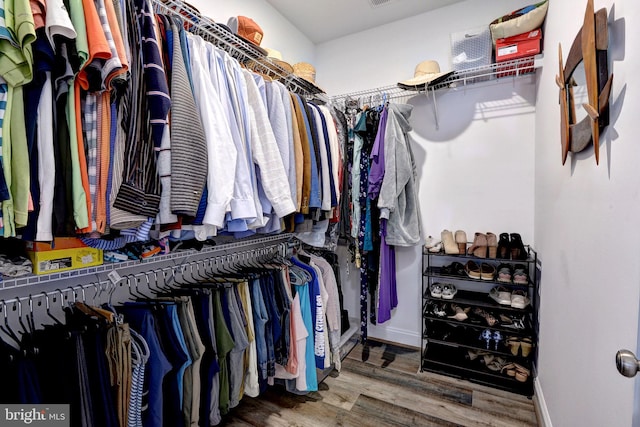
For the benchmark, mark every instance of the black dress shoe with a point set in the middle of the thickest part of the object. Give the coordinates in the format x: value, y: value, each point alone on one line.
x: 517, y: 248
x: 504, y: 246
x: 453, y: 269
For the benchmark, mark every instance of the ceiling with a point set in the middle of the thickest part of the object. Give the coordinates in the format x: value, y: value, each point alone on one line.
x: 324, y: 20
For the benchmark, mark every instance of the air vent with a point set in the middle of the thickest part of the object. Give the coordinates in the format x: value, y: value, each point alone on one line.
x: 378, y: 3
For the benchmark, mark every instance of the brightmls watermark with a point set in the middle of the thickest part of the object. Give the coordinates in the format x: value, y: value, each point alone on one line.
x: 36, y: 415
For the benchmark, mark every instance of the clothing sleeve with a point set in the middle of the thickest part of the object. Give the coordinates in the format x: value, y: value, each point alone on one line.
x: 266, y: 156
x: 390, y: 187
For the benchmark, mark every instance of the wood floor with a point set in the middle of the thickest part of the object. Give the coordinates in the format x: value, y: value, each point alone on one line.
x: 386, y: 390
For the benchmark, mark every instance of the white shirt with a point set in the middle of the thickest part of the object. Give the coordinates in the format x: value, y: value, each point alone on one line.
x: 224, y: 78
x: 57, y: 21
x: 221, y: 151
x: 334, y: 145
x: 46, y: 163
x: 265, y: 152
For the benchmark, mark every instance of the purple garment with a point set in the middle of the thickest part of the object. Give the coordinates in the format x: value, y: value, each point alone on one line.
x: 376, y: 174
x: 387, y: 290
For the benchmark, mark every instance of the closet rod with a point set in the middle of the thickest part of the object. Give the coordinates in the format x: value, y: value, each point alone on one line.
x: 243, y: 51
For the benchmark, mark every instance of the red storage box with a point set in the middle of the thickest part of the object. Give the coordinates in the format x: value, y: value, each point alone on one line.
x: 519, y: 46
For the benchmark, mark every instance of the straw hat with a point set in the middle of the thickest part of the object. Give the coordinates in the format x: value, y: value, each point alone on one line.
x: 276, y: 57
x: 426, y: 73
x: 306, y: 71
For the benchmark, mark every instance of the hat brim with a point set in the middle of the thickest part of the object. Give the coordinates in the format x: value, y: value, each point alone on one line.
x: 309, y: 86
x: 253, y: 47
x: 424, y: 80
x: 282, y: 64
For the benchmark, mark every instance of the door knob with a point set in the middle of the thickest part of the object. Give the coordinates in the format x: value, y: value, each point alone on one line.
x: 627, y: 363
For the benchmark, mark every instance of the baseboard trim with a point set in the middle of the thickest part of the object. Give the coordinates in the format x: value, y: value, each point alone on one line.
x: 540, y: 405
x: 395, y: 335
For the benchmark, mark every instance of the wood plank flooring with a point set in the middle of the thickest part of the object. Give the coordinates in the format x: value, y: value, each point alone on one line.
x: 386, y: 389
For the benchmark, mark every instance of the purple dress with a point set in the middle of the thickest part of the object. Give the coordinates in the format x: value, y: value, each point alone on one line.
x: 387, y: 290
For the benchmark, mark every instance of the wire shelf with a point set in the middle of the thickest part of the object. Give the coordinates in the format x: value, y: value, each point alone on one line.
x: 501, y: 72
x: 240, y: 49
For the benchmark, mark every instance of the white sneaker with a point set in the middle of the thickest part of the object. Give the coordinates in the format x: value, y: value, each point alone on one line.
x: 501, y: 295
x: 448, y: 291
x: 519, y: 299
x: 436, y: 290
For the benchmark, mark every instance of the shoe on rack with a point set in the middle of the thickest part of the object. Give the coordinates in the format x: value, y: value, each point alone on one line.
x: 487, y: 271
x: 492, y: 244
x: 497, y: 337
x: 479, y: 246
x: 436, y: 290
x: 516, y: 323
x: 517, y: 247
x: 461, y: 241
x: 488, y: 317
x: 472, y: 270
x: 501, y: 295
x: 438, y: 310
x: 498, y: 364
x: 474, y: 354
x: 519, y: 299
x: 486, y: 337
x: 522, y: 373
x: 432, y: 245
x: 525, y: 346
x: 448, y: 291
x: 505, y: 272
x: 461, y: 314
x: 520, y: 276
x: 514, y: 345
x: 504, y: 246
x: 453, y: 269
x: 509, y: 369
x: 449, y: 243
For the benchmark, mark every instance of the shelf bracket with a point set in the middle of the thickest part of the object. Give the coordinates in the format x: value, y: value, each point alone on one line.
x: 435, y: 105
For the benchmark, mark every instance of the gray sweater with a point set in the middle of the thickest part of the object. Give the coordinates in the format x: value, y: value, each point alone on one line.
x: 398, y: 200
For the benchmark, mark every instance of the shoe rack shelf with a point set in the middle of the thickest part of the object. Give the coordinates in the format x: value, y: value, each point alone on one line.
x: 437, y: 272
x: 455, y: 346
x: 444, y: 360
x: 465, y: 337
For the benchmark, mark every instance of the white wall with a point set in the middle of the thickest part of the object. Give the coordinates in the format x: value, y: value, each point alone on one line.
x: 476, y: 172
x: 587, y: 230
x: 279, y: 33
x: 387, y: 54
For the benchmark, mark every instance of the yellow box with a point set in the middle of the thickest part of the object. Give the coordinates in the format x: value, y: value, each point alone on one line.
x: 58, y: 260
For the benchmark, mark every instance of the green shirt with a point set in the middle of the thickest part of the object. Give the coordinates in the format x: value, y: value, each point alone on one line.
x: 224, y: 344
x: 16, y: 67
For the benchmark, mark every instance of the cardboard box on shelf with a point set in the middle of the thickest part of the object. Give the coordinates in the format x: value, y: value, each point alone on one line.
x: 56, y: 244
x: 57, y: 260
x: 516, y: 47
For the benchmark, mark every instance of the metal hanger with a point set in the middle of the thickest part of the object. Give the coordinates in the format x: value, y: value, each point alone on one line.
x: 7, y: 328
x: 20, y: 320
x: 48, y: 309
x: 30, y: 321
